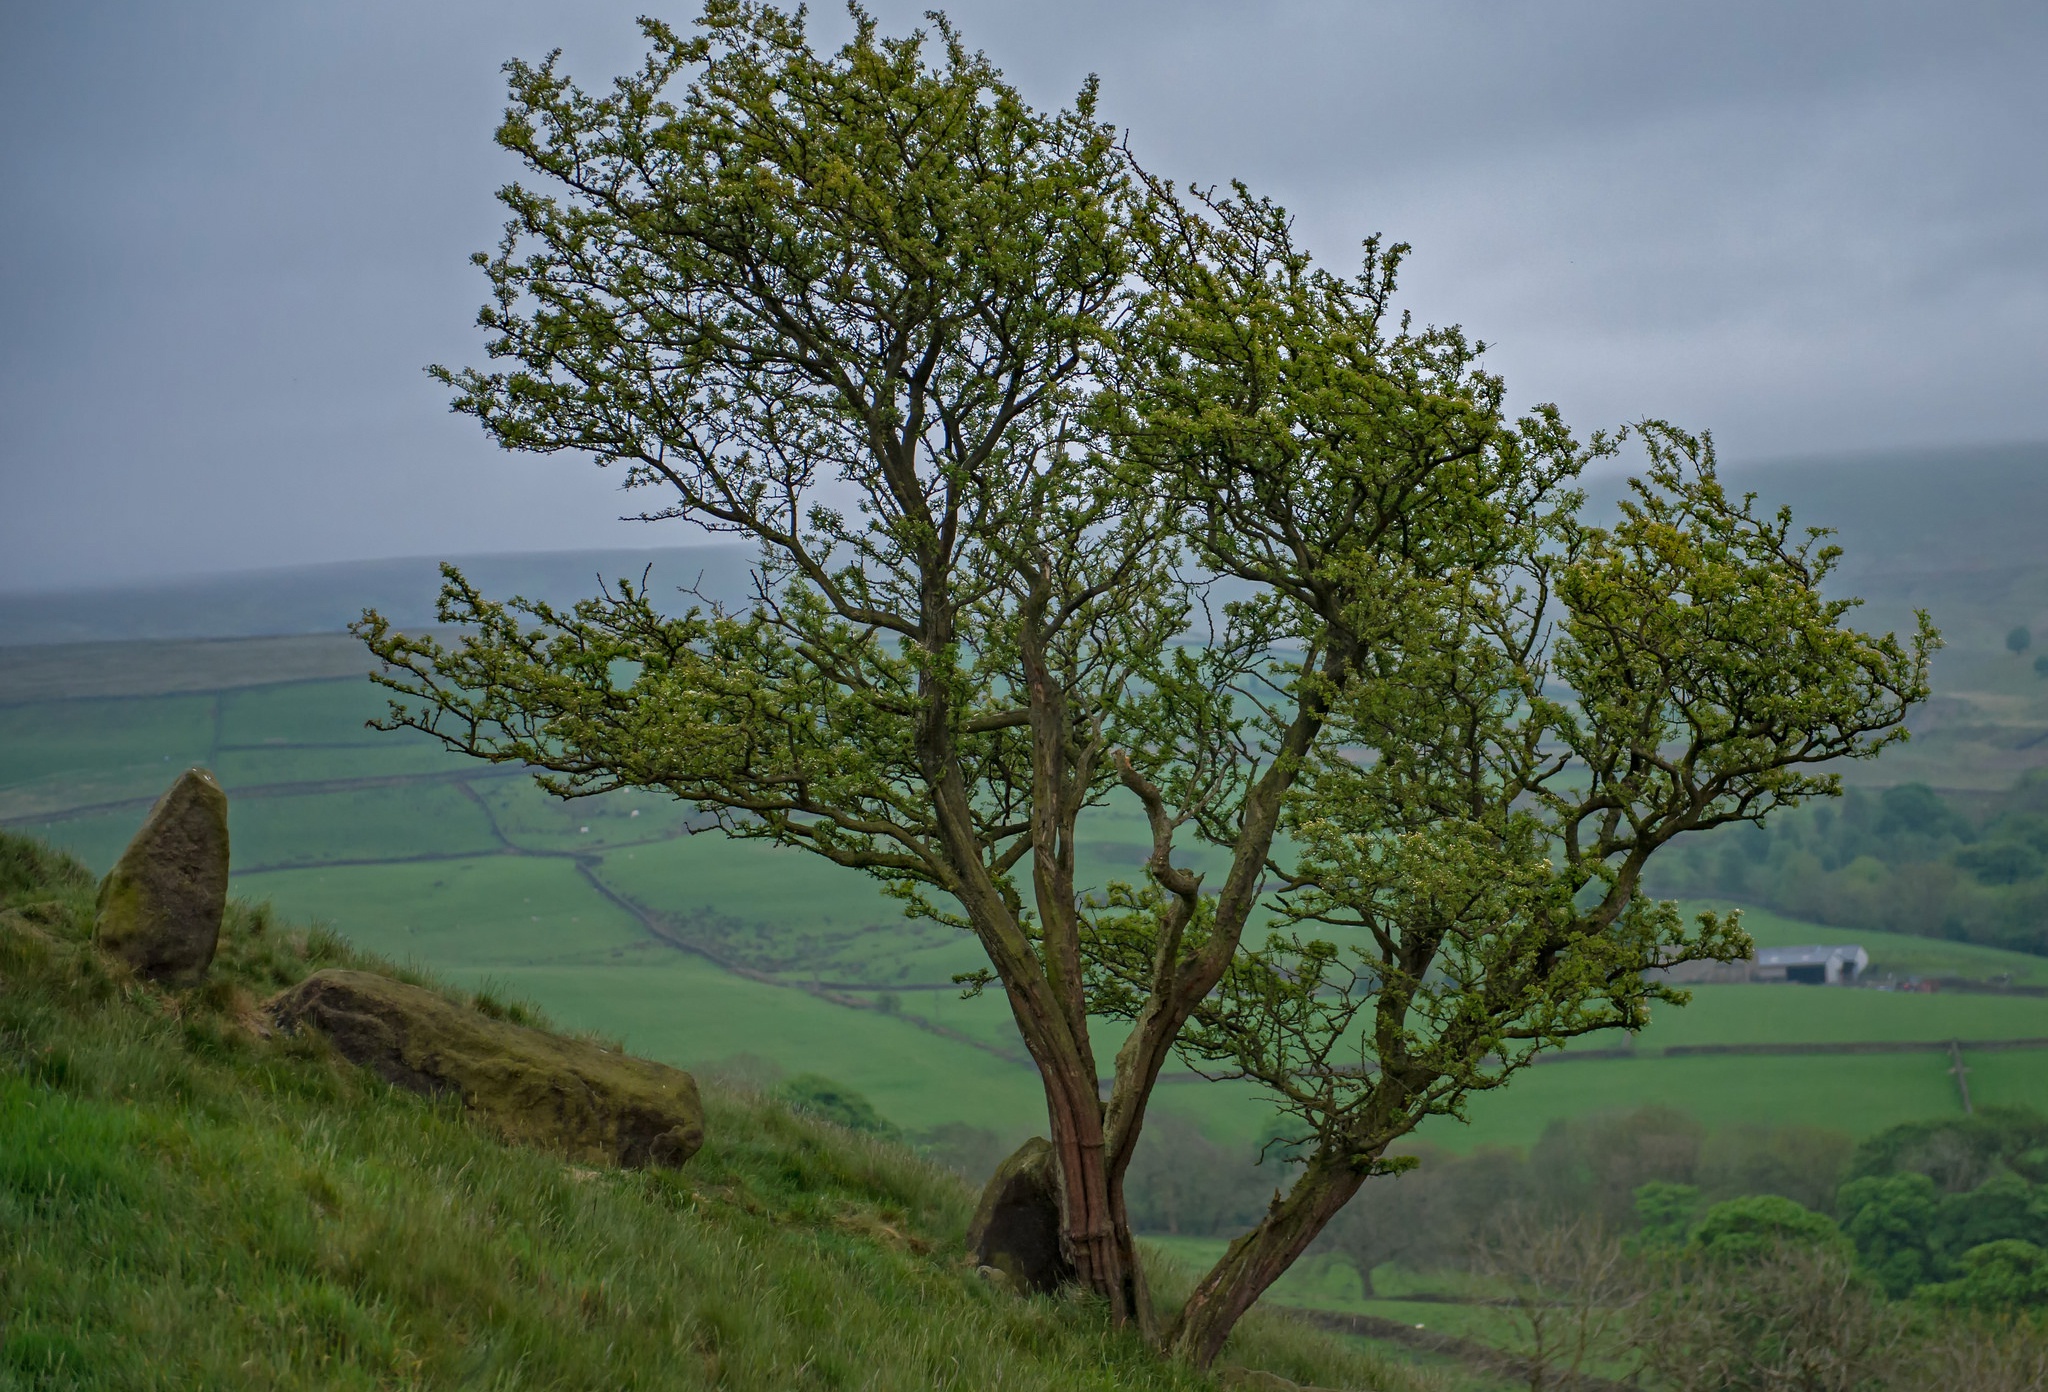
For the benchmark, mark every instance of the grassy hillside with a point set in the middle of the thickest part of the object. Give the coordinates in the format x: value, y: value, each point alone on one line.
x: 190, y: 1202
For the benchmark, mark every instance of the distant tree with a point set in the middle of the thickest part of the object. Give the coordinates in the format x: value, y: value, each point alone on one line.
x: 994, y: 407
x: 1749, y: 1229
x: 1665, y: 1214
x: 1914, y: 809
x: 1802, y: 1163
x: 2041, y: 665
x: 1793, y: 1315
x: 821, y: 1097
x: 1890, y: 1219
x: 1959, y: 1153
x: 1593, y: 1165
x: 2003, y: 1207
x: 1569, y: 1294
x: 2018, y: 639
x: 2004, y: 1276
x: 972, y: 1152
x: 2007, y: 863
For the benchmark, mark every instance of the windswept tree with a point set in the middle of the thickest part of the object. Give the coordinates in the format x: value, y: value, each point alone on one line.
x: 998, y: 410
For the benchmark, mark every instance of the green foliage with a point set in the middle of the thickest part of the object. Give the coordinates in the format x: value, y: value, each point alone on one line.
x: 1890, y: 1220
x: 1665, y: 1215
x: 1643, y: 1175
x: 1740, y: 1231
x: 1929, y: 1198
x: 816, y: 1095
x: 2000, y: 1276
x: 2018, y: 639
x: 1960, y: 1153
x: 2002, y: 1207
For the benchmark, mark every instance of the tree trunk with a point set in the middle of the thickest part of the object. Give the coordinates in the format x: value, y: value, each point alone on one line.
x: 1259, y: 1258
x: 1094, y: 1228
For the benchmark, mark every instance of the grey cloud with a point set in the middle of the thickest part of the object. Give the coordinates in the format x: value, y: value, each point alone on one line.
x: 235, y: 232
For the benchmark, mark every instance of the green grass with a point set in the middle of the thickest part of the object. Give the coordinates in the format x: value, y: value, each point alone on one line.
x: 2007, y: 1079
x: 1792, y: 1014
x: 193, y: 1203
x: 535, y: 820
x: 96, y: 839
x: 324, y: 711
x: 479, y: 914
x: 74, y: 671
x: 788, y: 887
x: 688, y: 1011
x: 1329, y: 1282
x: 358, y: 824
x: 1857, y: 1093
x: 114, y: 739
x: 256, y: 768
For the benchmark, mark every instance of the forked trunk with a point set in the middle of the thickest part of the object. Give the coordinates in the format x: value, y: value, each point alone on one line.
x: 1094, y: 1228
x: 1258, y: 1259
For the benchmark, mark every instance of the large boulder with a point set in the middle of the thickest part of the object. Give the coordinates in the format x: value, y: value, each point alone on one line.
x: 1016, y: 1227
x: 160, y: 906
x: 530, y: 1086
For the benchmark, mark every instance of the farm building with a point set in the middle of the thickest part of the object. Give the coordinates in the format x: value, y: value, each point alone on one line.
x: 1839, y: 965
x: 1815, y: 965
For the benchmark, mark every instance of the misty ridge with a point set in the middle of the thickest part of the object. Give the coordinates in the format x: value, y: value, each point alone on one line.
x: 1959, y: 532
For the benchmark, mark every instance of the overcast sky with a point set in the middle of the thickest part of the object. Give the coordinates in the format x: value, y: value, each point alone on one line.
x: 234, y: 233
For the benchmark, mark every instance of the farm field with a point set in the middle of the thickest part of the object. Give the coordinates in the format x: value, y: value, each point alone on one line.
x: 1328, y: 1282
x: 609, y: 914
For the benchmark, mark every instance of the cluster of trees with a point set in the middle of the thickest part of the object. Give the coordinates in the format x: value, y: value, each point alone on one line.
x: 1904, y: 860
x: 1598, y: 1170
x: 1953, y: 1211
x: 2018, y: 640
x: 1924, y: 1268
x: 1756, y: 1294
x: 1000, y: 409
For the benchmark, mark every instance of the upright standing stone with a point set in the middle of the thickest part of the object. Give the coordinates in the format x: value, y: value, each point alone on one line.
x: 160, y: 906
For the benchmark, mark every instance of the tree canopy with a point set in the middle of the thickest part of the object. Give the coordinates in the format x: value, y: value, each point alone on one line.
x: 1070, y: 486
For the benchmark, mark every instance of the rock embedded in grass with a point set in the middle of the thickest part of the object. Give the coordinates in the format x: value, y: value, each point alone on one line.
x: 530, y: 1086
x: 160, y: 907
x: 1016, y: 1226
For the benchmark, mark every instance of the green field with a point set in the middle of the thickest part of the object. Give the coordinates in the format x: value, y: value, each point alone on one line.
x: 1328, y: 1282
x: 695, y: 948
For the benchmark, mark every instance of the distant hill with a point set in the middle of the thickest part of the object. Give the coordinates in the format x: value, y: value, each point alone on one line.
x: 1958, y: 529
x: 1916, y: 512
x: 326, y: 598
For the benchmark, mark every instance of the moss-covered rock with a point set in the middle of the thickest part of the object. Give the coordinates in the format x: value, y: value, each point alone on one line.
x: 531, y: 1086
x: 1016, y: 1227
x: 160, y: 907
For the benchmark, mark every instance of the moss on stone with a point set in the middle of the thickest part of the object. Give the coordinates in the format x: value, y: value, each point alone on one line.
x: 160, y: 906
x: 530, y: 1086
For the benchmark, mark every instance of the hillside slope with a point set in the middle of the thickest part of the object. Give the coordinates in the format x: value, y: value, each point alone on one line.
x: 189, y: 1201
